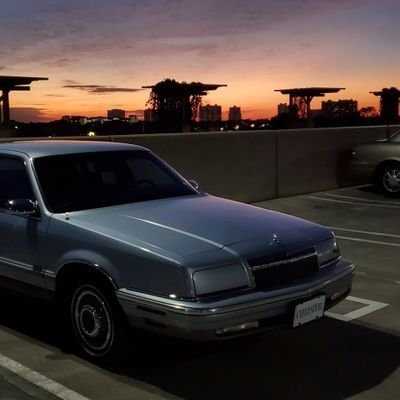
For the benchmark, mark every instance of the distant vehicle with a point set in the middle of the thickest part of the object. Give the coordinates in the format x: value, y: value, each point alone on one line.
x: 379, y: 163
x: 116, y: 236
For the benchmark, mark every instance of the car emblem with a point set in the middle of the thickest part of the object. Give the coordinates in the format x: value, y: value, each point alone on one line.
x: 275, y: 238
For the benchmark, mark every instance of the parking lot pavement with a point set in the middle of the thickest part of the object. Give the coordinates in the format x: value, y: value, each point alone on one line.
x: 352, y: 354
x: 367, y: 226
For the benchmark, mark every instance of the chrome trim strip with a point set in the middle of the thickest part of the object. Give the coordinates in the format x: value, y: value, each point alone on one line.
x: 199, y: 309
x: 49, y: 274
x: 17, y: 264
x: 335, y: 260
x: 282, y: 262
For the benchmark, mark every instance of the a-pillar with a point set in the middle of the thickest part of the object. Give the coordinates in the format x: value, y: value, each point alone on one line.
x: 5, y: 114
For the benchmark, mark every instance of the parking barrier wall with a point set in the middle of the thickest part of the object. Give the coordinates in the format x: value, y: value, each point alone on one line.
x: 252, y: 166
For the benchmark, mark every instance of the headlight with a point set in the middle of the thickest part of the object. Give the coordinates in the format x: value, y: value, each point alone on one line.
x: 219, y: 279
x: 327, y: 251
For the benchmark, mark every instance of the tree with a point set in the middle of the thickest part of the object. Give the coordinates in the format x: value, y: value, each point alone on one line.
x: 390, y: 105
x: 177, y: 103
x: 368, y: 112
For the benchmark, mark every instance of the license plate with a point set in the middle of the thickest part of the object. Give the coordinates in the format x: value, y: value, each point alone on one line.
x: 309, y: 311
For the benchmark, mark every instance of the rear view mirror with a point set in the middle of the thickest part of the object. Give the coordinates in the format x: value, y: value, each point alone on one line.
x: 194, y: 184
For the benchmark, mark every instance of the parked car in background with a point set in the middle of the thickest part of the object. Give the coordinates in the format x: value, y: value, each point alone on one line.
x: 379, y: 163
x: 115, y: 236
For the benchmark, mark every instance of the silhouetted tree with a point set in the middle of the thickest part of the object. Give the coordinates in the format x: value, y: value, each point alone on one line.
x: 390, y: 105
x: 368, y: 112
x: 175, y: 103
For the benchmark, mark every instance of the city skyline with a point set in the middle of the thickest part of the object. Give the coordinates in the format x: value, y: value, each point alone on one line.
x: 98, y: 55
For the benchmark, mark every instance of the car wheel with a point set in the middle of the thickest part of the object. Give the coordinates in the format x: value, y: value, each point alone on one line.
x: 95, y: 322
x: 390, y: 179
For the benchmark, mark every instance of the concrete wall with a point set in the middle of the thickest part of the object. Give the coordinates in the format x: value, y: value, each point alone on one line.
x: 310, y: 160
x: 238, y: 165
x: 259, y: 165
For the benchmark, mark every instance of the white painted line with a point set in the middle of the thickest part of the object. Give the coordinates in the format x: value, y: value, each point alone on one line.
x: 39, y: 380
x: 361, y: 199
x: 353, y: 203
x: 371, y: 306
x: 368, y: 241
x: 335, y: 228
x: 372, y: 276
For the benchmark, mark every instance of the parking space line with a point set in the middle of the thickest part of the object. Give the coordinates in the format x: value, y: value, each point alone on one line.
x: 361, y: 199
x: 368, y: 241
x: 371, y: 306
x: 353, y: 203
x: 335, y: 228
x: 39, y: 380
x: 373, y: 276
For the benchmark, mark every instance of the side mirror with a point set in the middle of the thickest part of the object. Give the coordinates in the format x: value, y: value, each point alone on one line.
x: 22, y: 207
x: 194, y: 184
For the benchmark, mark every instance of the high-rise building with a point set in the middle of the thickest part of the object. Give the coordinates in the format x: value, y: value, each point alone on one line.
x: 116, y: 114
x: 150, y: 115
x: 210, y: 113
x: 339, y: 109
x: 235, y: 114
x: 133, y: 119
x: 283, y: 108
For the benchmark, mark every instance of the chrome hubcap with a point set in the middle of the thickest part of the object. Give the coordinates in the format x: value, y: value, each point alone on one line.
x: 92, y: 321
x: 391, y: 180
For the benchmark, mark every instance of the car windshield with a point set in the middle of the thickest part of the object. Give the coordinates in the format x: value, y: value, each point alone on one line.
x: 74, y: 182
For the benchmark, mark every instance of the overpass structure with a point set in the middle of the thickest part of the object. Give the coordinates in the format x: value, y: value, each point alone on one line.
x: 8, y: 84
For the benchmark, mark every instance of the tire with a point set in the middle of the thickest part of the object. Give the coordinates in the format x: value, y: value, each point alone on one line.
x: 389, y: 179
x: 96, y: 321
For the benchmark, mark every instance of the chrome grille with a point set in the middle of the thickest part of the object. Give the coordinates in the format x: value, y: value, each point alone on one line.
x: 279, y: 272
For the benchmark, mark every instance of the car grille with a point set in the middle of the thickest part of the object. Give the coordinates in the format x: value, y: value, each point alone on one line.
x: 268, y: 273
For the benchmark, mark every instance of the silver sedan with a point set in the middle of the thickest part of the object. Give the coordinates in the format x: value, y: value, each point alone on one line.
x: 379, y: 162
x: 116, y: 237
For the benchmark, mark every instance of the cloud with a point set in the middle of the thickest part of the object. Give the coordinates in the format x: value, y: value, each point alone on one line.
x: 98, y: 89
x: 45, y: 25
x: 28, y: 114
x: 62, y: 62
x: 138, y: 113
x: 70, y: 82
x: 145, y: 34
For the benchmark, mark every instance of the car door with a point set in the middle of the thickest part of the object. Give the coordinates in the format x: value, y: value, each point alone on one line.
x: 21, y: 237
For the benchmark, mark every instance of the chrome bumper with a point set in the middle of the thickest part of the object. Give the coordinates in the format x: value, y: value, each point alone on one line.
x: 202, y: 320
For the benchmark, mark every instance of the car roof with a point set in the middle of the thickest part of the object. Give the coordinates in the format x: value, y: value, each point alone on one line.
x: 43, y: 148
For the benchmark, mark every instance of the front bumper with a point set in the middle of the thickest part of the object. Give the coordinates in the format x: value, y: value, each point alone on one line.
x: 205, y: 319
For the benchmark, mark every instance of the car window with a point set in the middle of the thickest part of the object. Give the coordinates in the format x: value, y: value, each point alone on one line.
x: 14, y: 180
x: 82, y: 181
x: 145, y: 170
x: 395, y: 138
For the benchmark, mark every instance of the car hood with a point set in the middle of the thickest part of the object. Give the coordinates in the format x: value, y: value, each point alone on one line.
x: 194, y: 224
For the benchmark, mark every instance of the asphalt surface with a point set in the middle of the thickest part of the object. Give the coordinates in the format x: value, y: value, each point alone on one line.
x: 354, y: 353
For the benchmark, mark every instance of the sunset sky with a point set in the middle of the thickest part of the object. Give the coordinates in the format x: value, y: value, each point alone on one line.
x: 98, y: 54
